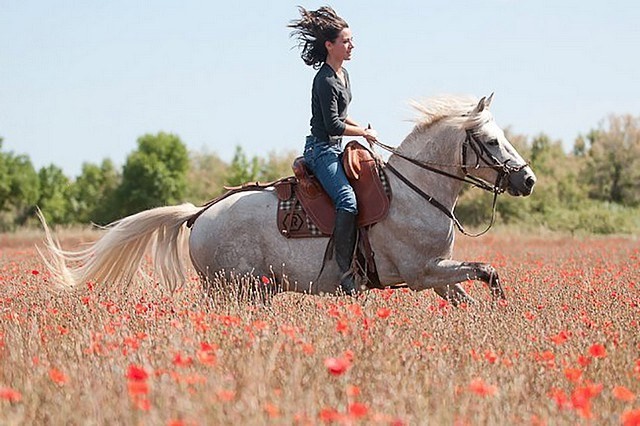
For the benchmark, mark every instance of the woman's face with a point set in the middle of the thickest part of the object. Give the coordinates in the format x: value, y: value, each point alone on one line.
x: 340, y: 49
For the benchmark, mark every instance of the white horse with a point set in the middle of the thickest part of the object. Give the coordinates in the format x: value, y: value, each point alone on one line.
x: 412, y: 245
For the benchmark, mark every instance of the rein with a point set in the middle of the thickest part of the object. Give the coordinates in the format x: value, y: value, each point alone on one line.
x: 472, y: 180
x: 503, y: 169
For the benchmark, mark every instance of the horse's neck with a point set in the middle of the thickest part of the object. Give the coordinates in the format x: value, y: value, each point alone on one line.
x: 438, y: 146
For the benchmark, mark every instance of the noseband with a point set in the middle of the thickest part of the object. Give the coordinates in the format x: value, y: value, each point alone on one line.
x: 503, y: 169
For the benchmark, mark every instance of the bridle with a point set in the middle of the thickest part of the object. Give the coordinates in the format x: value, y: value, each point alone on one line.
x: 503, y: 169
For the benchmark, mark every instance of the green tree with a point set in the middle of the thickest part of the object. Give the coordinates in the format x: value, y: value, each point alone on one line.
x: 242, y: 169
x: 277, y: 165
x: 93, y: 193
x: 612, y: 157
x: 153, y: 175
x: 55, y: 195
x: 558, y: 184
x: 25, y: 188
x: 19, y: 189
x: 5, y: 186
x: 206, y: 176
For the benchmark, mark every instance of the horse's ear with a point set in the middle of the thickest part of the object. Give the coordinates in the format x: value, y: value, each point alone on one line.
x: 487, y: 103
x: 481, y: 105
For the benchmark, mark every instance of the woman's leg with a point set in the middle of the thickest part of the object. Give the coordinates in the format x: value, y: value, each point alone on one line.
x: 325, y: 162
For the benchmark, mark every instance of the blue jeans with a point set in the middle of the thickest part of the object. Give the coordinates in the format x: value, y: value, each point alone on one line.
x: 325, y: 161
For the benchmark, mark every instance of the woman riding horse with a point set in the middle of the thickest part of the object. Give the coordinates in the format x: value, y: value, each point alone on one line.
x: 326, y: 42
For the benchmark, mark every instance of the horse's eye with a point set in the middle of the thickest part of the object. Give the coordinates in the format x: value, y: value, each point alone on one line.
x: 493, y: 142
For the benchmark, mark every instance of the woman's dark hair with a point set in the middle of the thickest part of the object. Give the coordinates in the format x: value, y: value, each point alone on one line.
x: 313, y: 29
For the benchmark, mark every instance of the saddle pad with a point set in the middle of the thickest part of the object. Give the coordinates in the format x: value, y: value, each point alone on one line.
x: 293, y: 221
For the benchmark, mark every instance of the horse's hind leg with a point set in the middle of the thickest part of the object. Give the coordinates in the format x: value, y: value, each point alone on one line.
x: 488, y: 274
x: 454, y: 293
x: 444, y: 275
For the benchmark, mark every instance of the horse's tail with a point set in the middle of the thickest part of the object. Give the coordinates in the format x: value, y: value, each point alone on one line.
x: 117, y: 255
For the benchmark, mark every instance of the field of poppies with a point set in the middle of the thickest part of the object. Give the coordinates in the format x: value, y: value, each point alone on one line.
x: 563, y: 349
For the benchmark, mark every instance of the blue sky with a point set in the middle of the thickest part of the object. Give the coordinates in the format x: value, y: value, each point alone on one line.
x: 81, y: 81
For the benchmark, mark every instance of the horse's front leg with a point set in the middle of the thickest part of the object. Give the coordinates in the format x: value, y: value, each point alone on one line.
x: 444, y: 276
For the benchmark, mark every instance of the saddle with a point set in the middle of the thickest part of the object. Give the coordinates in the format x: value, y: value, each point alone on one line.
x: 305, y: 210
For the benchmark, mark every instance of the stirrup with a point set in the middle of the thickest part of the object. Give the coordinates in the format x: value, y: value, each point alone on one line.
x: 348, y: 284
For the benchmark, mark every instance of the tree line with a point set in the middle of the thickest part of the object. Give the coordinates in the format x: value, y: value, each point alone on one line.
x: 160, y: 171
x: 595, y: 187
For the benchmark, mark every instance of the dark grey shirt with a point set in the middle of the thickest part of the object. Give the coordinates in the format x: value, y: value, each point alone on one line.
x: 329, y: 101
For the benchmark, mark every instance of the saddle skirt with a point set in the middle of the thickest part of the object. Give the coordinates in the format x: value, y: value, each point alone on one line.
x: 305, y: 210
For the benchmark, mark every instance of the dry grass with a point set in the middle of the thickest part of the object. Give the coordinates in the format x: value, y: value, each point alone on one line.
x: 147, y: 357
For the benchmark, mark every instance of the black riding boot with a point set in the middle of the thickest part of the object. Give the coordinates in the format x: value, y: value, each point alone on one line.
x: 344, y: 235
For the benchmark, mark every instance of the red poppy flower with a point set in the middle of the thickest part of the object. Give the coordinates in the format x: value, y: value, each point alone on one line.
x: 137, y: 373
x: 348, y: 355
x: 581, y: 399
x: 573, y: 374
x: 547, y: 356
x: 560, y: 338
x: 272, y: 410
x: 353, y: 390
x: 260, y: 325
x: 559, y: 397
x: 329, y: 415
x: 180, y: 360
x: 337, y: 366
x: 207, y: 355
x: 225, y: 395
x: 10, y: 395
x: 490, y: 356
x: 383, y: 313
x: 137, y: 388
x: 358, y: 410
x: 57, y: 376
x: 308, y: 348
x: 342, y: 327
x: 623, y: 394
x: 597, y: 351
x: 630, y: 418
x: 479, y: 387
x: 584, y: 360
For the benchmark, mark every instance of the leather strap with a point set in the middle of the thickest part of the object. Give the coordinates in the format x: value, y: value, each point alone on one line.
x: 250, y: 186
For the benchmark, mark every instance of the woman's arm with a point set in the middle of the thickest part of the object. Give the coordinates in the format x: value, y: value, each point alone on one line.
x: 351, y: 122
x: 353, y: 129
x: 329, y: 105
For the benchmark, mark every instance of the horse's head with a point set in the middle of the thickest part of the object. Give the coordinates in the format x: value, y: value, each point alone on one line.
x: 487, y: 154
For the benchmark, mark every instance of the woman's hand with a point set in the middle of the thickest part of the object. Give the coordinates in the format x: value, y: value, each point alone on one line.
x: 370, y: 135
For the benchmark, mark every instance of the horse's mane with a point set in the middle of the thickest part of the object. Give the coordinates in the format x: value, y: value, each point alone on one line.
x: 454, y: 108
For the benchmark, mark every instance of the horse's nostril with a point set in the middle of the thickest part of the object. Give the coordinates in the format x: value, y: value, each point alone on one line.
x: 530, y: 181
